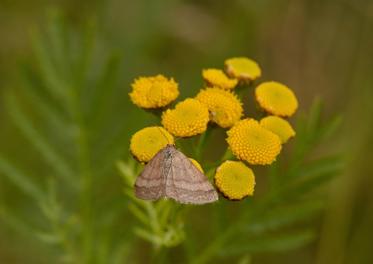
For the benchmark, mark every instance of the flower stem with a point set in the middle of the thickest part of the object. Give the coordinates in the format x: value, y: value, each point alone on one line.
x: 201, y: 143
x: 227, y: 155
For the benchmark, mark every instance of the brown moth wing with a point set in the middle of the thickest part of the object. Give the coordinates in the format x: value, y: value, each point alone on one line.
x: 186, y: 184
x: 149, y: 184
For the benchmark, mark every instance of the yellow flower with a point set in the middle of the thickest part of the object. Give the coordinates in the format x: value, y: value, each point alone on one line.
x: 276, y: 98
x: 225, y: 108
x: 189, y: 118
x: 195, y: 163
x: 242, y: 68
x: 279, y: 126
x: 217, y: 78
x: 153, y: 92
x: 251, y: 142
x: 146, y: 142
x: 235, y: 180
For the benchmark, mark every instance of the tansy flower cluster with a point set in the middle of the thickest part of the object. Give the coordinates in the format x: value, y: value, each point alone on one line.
x: 219, y: 104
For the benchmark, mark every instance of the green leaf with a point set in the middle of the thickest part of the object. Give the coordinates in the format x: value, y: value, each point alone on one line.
x: 164, y: 208
x: 130, y: 193
x: 274, y: 243
x: 85, y: 53
x: 50, y: 155
x: 329, y: 128
x: 139, y: 214
x: 312, y: 183
x: 103, y: 90
x: 58, y: 40
x: 321, y: 166
x: 111, y: 148
x: 127, y: 172
x: 58, y: 87
x: 314, y: 117
x: 148, y: 236
x: 48, y: 238
x: 20, y: 180
x: 35, y: 91
x: 50, y: 206
x: 283, y: 216
x: 311, y: 132
x: 316, y: 167
x: 245, y: 260
x: 18, y: 224
x: 301, y: 188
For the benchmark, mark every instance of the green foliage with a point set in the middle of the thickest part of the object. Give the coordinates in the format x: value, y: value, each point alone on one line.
x: 64, y: 113
x: 161, y: 222
x: 61, y: 111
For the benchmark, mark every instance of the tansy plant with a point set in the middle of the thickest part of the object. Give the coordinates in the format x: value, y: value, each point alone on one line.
x: 217, y: 105
x: 252, y: 140
x: 76, y: 135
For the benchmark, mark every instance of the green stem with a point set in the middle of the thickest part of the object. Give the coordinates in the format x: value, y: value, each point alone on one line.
x: 153, y: 218
x: 201, y: 144
x: 86, y: 191
x: 86, y: 179
x: 159, y: 255
x: 64, y: 242
x: 227, y: 155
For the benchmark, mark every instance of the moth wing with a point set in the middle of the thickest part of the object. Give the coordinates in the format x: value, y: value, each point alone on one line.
x: 149, y: 184
x: 186, y: 184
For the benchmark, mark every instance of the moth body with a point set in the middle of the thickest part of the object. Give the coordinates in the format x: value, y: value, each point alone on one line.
x: 171, y: 174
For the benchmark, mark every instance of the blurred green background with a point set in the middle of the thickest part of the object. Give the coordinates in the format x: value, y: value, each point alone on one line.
x: 319, y: 48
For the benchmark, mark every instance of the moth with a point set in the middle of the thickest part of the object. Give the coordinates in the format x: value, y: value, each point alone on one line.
x: 171, y: 174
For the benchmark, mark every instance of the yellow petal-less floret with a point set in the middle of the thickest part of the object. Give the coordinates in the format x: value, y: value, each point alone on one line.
x: 189, y: 118
x: 196, y: 164
x: 235, y: 180
x: 253, y: 143
x: 279, y: 126
x: 217, y: 78
x: 242, y: 68
x: 154, y: 92
x: 276, y: 99
x: 146, y: 142
x: 224, y: 107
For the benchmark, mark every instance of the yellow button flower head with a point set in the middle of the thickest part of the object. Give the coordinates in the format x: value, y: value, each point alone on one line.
x: 251, y: 142
x: 217, y: 78
x: 189, y: 118
x: 146, y: 142
x: 225, y: 108
x: 279, y: 126
x: 276, y: 98
x: 235, y: 180
x: 243, y: 68
x: 195, y: 163
x: 153, y: 92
